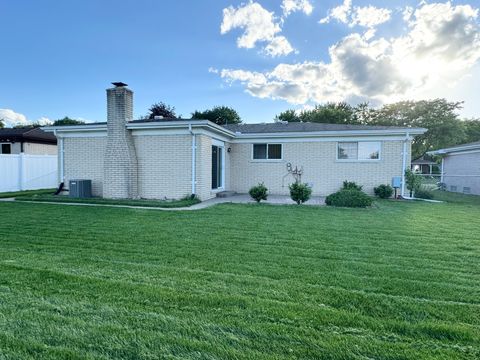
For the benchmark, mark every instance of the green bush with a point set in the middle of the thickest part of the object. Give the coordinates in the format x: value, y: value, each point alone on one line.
x: 413, y: 181
x: 423, y: 193
x: 349, y: 198
x: 300, y: 193
x: 383, y: 191
x: 351, y: 185
x: 258, y: 192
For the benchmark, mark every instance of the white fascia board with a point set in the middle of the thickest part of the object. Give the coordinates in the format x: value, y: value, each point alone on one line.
x: 451, y: 151
x: 317, y: 139
x: 75, y: 128
x: 416, y: 131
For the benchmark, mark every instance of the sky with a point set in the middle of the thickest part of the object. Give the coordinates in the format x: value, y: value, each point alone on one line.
x: 260, y: 57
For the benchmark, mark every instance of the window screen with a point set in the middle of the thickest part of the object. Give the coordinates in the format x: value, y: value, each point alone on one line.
x: 364, y: 150
x: 275, y: 151
x: 260, y: 151
x: 347, y: 150
x: 267, y: 151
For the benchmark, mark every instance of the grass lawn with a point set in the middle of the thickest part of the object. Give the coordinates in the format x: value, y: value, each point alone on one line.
x: 147, y: 203
x: 399, y: 281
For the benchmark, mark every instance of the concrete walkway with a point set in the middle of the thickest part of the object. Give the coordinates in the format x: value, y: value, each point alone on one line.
x: 236, y: 199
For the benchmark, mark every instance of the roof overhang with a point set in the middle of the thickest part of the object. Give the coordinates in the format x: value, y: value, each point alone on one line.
x: 208, y: 125
x: 455, y: 149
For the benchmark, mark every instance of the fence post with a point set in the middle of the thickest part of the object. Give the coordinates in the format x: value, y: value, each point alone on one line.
x: 22, y: 172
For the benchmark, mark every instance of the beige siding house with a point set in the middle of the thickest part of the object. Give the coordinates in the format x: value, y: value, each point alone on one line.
x: 173, y: 158
x: 460, y: 169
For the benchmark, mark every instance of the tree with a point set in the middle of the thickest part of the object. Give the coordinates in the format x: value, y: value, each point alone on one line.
x: 2, y: 123
x: 162, y: 109
x: 67, y: 121
x: 288, y: 115
x: 220, y: 115
x: 330, y: 113
x: 472, y: 130
x: 438, y: 116
x: 27, y: 126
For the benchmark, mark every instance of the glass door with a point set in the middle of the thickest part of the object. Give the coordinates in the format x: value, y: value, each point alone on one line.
x: 217, y: 167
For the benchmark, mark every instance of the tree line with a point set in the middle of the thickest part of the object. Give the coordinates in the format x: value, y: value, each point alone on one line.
x: 439, y: 116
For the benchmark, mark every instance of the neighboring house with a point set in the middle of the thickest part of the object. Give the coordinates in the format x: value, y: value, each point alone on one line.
x: 162, y: 158
x: 424, y: 166
x: 32, y: 141
x: 460, y: 169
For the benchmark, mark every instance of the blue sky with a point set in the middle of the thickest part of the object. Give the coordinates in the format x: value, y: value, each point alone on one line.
x: 58, y: 57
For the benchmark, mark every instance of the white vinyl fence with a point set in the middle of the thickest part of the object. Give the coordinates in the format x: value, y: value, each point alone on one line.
x: 28, y: 172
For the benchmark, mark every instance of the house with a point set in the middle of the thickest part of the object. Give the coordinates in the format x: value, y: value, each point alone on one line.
x: 32, y: 141
x: 460, y: 169
x: 173, y: 158
x: 424, y: 166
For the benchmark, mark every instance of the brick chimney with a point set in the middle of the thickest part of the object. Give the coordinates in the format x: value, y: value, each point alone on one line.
x: 120, y: 179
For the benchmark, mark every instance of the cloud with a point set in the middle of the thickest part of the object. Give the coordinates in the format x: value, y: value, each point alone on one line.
x: 441, y: 45
x: 12, y: 118
x: 258, y: 25
x: 368, y: 16
x: 290, y: 6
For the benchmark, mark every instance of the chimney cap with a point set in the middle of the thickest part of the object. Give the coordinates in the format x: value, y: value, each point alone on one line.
x: 119, y: 84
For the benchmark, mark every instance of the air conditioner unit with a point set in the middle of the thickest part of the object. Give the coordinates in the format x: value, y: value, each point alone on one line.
x: 80, y: 188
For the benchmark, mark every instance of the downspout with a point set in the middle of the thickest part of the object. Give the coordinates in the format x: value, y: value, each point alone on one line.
x: 60, y: 154
x: 194, y: 155
x: 404, y: 162
x: 442, y: 171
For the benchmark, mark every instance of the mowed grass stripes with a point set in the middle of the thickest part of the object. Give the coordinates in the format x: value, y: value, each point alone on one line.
x: 398, y: 281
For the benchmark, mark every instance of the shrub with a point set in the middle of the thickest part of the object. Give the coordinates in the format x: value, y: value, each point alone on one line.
x: 383, y: 191
x: 300, y: 192
x: 413, y: 181
x: 259, y: 192
x: 349, y: 198
x: 351, y: 185
x: 423, y: 193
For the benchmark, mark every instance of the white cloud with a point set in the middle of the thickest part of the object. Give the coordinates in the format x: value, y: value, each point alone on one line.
x: 368, y: 16
x: 290, y: 6
x: 440, y: 47
x: 12, y: 118
x: 258, y: 25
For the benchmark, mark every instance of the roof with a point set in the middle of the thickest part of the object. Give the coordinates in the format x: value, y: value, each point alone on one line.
x: 457, y: 148
x: 34, y: 135
x: 299, y: 127
x: 422, y: 161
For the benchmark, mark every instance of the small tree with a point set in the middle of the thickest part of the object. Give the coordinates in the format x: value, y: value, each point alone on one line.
x: 300, y: 192
x: 413, y: 181
x: 2, y: 123
x: 258, y: 192
x: 162, y: 109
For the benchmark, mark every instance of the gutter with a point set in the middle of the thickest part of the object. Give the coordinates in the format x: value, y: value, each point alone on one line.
x: 60, y: 153
x: 194, y: 157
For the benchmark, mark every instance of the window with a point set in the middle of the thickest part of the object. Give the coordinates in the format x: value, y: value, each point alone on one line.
x: 466, y: 190
x: 267, y: 151
x: 359, y: 151
x: 453, y: 188
x: 6, y: 148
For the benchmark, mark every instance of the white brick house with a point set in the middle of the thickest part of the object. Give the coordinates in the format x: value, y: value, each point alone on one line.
x: 165, y: 158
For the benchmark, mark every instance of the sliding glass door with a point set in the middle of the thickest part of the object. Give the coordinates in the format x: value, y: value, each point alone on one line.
x: 217, y: 167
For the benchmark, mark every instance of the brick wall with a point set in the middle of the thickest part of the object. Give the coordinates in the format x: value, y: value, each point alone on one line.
x: 320, y: 167
x: 83, y: 159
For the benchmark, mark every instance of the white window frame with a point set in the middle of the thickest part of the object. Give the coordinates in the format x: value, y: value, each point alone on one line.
x: 267, y: 159
x: 6, y: 143
x: 360, y: 160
